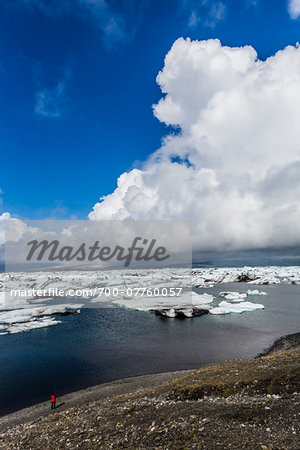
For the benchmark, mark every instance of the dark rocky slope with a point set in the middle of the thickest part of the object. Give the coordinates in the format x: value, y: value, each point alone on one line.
x: 252, y: 404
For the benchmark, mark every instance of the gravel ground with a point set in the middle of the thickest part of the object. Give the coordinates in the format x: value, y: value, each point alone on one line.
x: 85, y: 396
x: 252, y: 404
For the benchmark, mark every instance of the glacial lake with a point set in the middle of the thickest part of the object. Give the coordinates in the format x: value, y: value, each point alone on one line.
x: 101, y: 345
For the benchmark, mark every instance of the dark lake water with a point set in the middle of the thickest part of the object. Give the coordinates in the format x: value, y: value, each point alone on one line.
x: 101, y: 345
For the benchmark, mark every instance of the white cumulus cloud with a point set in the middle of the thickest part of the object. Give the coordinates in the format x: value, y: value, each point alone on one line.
x: 232, y: 165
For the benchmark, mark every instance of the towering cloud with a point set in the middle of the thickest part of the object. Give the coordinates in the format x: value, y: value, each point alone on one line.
x: 231, y: 162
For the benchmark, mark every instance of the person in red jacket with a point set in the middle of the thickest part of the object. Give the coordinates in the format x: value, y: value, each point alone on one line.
x: 53, y: 400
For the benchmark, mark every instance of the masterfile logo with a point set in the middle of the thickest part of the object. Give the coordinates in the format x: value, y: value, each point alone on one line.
x: 97, y: 245
x: 146, y: 251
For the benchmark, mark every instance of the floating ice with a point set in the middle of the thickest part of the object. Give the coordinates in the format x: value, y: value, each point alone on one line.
x: 170, y: 312
x: 187, y: 300
x: 32, y: 325
x: 181, y: 312
x: 19, y: 320
x: 187, y: 312
x: 256, y: 292
x: 131, y: 279
x: 240, y: 296
x: 233, y: 295
x: 227, y: 308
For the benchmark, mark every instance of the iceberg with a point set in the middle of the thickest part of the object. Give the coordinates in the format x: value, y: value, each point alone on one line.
x: 233, y: 295
x: 19, y: 320
x: 181, y: 312
x: 187, y: 300
x: 189, y: 304
x: 256, y: 292
x: 169, y: 312
x: 240, y: 296
x: 32, y: 325
x: 227, y: 308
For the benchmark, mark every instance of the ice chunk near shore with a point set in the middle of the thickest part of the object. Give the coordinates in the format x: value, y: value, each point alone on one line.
x: 227, y: 308
x: 16, y: 321
x: 32, y: 325
x: 24, y: 315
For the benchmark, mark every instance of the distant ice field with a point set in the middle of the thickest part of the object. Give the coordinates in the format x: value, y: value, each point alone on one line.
x: 34, y: 300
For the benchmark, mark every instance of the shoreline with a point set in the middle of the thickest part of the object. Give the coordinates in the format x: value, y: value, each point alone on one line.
x: 119, y: 387
x: 238, y: 403
x: 284, y: 343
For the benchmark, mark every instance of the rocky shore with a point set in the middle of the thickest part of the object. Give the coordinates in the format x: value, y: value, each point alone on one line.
x: 250, y: 403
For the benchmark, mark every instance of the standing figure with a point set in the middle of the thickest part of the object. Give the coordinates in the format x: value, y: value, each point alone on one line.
x: 53, y: 401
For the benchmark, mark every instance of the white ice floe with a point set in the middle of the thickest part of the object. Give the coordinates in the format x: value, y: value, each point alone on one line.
x: 201, y: 299
x: 188, y: 312
x: 170, y: 313
x: 32, y: 325
x: 19, y: 320
x: 227, y: 308
x: 240, y: 296
x: 187, y: 300
x: 235, y: 296
x: 256, y: 292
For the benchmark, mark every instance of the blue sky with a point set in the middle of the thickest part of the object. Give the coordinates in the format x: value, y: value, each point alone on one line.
x: 78, y: 80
